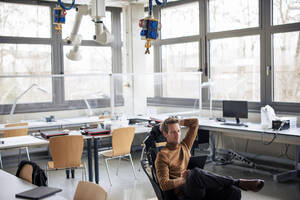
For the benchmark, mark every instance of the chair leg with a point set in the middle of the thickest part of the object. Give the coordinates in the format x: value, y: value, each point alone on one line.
x: 107, y: 171
x: 142, y: 154
x: 1, y: 164
x: 118, y: 166
x: 132, y: 165
x: 47, y: 174
x: 26, y: 148
x: 19, y: 157
x: 84, y: 167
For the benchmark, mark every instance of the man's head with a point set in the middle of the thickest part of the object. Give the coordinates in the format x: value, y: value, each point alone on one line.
x: 171, y: 130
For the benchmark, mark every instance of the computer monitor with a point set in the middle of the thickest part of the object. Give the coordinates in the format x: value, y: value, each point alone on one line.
x: 236, y: 109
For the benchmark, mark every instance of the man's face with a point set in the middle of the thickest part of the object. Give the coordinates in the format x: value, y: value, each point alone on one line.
x: 173, y: 135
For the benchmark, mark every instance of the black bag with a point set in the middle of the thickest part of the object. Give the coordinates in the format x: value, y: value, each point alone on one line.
x: 38, y: 175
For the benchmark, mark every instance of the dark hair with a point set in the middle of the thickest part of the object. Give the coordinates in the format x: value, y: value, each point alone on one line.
x: 166, y: 122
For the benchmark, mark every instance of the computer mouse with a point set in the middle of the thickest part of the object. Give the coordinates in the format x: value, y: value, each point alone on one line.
x: 245, y: 125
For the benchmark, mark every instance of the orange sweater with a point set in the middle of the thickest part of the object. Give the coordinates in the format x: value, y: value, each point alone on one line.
x: 173, y: 159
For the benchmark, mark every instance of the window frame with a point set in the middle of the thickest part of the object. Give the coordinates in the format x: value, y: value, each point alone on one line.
x: 57, y: 61
x: 264, y: 30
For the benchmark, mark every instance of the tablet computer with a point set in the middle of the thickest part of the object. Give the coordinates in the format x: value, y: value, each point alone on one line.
x: 38, y: 193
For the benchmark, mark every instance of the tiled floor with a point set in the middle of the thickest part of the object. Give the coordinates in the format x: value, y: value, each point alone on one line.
x: 126, y: 187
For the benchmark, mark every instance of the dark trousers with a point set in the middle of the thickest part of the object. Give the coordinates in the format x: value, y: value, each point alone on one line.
x: 202, y: 185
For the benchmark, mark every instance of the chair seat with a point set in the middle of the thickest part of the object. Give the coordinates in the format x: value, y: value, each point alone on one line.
x: 51, y: 165
x: 107, y: 153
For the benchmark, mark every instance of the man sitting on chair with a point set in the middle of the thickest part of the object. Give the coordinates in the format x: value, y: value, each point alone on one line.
x: 171, y: 168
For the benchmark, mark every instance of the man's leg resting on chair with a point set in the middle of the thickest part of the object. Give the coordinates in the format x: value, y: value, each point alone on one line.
x: 201, y: 184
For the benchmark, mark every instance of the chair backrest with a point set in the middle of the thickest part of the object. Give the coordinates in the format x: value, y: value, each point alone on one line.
x: 15, y: 132
x: 26, y: 172
x: 90, y: 191
x: 66, y: 151
x: 122, y: 140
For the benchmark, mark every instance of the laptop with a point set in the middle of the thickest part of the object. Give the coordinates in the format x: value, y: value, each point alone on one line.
x: 49, y: 134
x: 38, y: 193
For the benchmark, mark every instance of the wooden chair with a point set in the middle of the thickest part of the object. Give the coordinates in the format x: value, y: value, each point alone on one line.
x: 90, y: 191
x: 26, y: 173
x: 66, y: 152
x: 121, y: 146
x: 14, y: 133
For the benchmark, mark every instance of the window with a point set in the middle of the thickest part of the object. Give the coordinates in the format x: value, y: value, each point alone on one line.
x: 95, y: 59
x: 286, y: 67
x: 232, y: 14
x: 179, y: 21
x: 286, y: 11
x: 30, y: 54
x: 18, y: 20
x: 26, y: 56
x: 235, y: 68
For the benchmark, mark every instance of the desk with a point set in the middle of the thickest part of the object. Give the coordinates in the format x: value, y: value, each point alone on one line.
x: 11, y: 185
x: 35, y: 125
x: 20, y: 141
x: 253, y: 132
x: 95, y: 139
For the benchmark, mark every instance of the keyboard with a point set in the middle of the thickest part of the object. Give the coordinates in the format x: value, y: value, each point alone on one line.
x: 232, y: 124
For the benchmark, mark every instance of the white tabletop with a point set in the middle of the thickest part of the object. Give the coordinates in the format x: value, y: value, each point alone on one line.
x: 22, y: 141
x: 11, y: 185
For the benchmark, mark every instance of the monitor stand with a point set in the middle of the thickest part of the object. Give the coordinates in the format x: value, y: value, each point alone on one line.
x: 234, y: 124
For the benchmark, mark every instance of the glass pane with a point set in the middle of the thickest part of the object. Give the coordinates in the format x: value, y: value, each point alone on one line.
x: 286, y: 11
x: 87, y: 87
x: 180, y: 20
x: 94, y: 60
x: 180, y: 57
x: 232, y: 14
x: 178, y: 85
x: 24, y: 20
x: 38, y: 90
x: 235, y: 68
x: 25, y: 59
x: 286, y: 67
x: 87, y: 26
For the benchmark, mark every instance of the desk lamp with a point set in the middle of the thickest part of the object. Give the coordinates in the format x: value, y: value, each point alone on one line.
x: 22, y: 94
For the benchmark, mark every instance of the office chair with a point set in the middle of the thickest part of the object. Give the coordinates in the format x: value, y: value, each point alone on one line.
x: 66, y: 152
x: 121, y: 146
x: 15, y: 133
x: 149, y: 168
x: 90, y: 191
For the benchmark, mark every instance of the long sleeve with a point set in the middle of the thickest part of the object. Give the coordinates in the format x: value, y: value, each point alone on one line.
x: 191, y: 134
x: 163, y: 176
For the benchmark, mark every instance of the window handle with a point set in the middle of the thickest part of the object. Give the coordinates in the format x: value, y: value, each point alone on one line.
x: 268, y: 70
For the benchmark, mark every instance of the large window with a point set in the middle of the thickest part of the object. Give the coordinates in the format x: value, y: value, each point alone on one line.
x: 180, y: 49
x: 24, y: 20
x: 232, y: 14
x: 235, y: 68
x: 286, y: 67
x: 180, y: 20
x: 250, y: 49
x: 19, y: 58
x: 32, y: 57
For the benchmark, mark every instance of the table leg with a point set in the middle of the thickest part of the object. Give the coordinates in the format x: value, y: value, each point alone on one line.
x: 212, y: 147
x: 96, y: 142
x: 90, y: 163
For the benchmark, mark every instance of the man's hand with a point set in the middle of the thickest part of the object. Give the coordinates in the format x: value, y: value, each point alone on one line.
x: 184, y: 174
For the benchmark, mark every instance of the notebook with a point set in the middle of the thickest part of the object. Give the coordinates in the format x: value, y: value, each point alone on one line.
x: 38, y: 193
